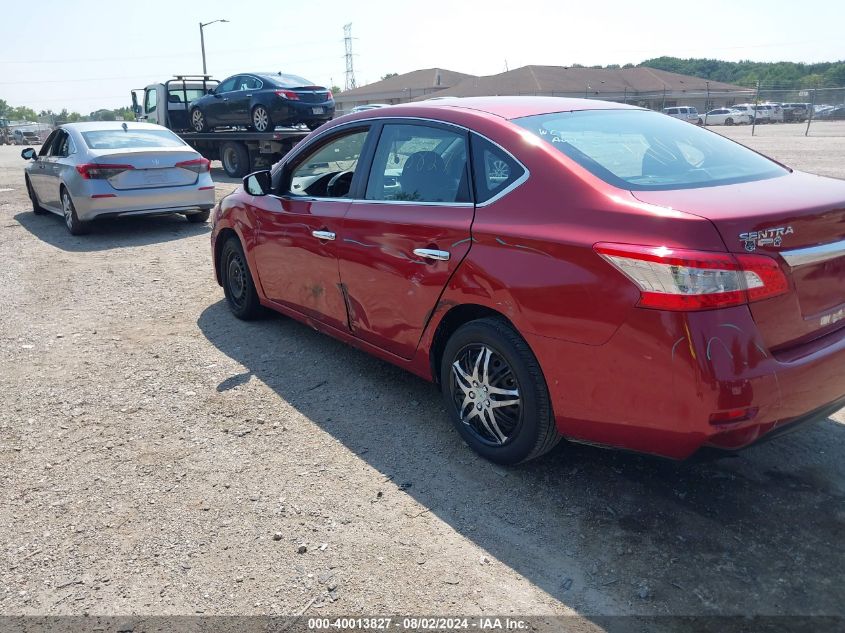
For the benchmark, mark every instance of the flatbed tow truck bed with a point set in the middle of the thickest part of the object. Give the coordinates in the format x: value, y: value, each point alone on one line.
x: 240, y: 151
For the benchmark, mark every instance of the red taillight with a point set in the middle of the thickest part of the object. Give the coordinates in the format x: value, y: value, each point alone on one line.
x: 287, y: 94
x: 97, y: 171
x: 682, y: 279
x: 198, y: 165
x: 329, y: 95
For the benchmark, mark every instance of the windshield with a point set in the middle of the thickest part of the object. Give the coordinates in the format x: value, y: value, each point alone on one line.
x: 128, y: 139
x: 287, y: 81
x: 643, y: 150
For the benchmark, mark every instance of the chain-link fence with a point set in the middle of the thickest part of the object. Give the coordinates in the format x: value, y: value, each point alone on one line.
x: 801, y: 111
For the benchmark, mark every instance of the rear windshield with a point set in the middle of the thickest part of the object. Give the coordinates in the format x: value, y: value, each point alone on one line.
x: 643, y: 150
x: 129, y: 139
x: 287, y: 81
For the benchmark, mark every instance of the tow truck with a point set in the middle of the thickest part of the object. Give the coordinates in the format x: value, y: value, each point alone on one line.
x: 239, y: 150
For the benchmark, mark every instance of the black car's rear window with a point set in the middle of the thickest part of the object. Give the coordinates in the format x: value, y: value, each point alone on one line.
x: 287, y: 81
x: 130, y: 139
x: 643, y: 150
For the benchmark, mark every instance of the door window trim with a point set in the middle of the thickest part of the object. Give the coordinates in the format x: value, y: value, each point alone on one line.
x: 368, y: 153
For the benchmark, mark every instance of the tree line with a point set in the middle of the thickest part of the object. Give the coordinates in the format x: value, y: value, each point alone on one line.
x: 24, y: 113
x: 773, y: 75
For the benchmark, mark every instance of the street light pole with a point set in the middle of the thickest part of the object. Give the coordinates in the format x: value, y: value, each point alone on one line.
x: 202, y: 42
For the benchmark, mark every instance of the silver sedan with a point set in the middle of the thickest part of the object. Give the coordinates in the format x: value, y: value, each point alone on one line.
x: 85, y: 171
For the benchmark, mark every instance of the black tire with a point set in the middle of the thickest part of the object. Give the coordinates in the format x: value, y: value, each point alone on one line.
x: 237, y: 282
x: 261, y: 120
x: 37, y: 209
x: 235, y: 159
x: 518, y: 433
x: 729, y: 121
x: 74, y: 225
x: 313, y: 125
x: 198, y: 120
x: 198, y: 218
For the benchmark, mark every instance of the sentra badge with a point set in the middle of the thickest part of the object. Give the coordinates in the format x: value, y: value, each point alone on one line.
x: 765, y: 237
x: 836, y: 317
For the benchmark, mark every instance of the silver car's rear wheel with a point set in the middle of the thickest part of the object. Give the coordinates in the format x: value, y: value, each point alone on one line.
x: 72, y: 221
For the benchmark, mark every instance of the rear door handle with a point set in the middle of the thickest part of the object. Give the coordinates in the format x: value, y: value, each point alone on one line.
x: 429, y: 253
x: 323, y: 235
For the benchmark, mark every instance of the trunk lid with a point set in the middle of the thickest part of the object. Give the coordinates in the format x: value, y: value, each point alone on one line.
x: 152, y: 167
x: 799, y: 220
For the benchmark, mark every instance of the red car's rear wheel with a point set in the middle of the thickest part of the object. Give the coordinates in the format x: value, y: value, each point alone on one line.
x: 496, y: 394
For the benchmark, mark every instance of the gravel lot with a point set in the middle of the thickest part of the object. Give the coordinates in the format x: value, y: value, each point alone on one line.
x: 160, y: 457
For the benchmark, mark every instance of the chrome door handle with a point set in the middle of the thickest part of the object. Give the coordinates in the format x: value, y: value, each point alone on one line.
x: 429, y: 253
x: 323, y: 235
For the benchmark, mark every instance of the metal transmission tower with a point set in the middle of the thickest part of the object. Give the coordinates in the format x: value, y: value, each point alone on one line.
x: 350, y: 71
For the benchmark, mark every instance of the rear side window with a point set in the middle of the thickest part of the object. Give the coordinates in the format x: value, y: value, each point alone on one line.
x: 494, y: 170
x: 126, y: 139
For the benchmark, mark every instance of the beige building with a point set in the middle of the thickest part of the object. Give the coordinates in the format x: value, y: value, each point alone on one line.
x: 646, y: 87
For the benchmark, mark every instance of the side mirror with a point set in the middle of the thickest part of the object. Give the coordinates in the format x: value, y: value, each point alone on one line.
x: 258, y: 183
x: 28, y: 153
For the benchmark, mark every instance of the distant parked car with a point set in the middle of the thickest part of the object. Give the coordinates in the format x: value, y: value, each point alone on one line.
x: 262, y: 101
x: 795, y: 112
x: 685, y: 113
x: 25, y: 137
x: 367, y: 106
x: 101, y: 169
x: 832, y: 114
x: 726, y: 116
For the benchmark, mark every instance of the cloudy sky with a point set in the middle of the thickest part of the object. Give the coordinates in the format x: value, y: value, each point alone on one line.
x: 79, y: 55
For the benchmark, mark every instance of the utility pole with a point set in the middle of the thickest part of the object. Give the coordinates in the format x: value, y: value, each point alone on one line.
x: 811, y: 112
x: 202, y: 42
x: 350, y: 70
x: 706, y: 103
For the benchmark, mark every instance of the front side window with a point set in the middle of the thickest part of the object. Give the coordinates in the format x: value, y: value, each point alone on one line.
x: 419, y: 163
x: 228, y: 85
x: 45, y: 147
x: 642, y: 150
x: 327, y: 171
x: 494, y: 170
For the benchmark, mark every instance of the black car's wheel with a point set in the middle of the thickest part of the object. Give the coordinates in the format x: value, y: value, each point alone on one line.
x: 495, y: 393
x: 235, y: 159
x: 198, y: 121
x: 261, y: 120
x: 198, y: 218
x: 237, y: 282
x: 74, y: 225
x: 729, y: 121
x: 37, y: 209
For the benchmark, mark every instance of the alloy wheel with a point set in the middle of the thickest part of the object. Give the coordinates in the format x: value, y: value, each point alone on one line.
x: 67, y: 209
x: 485, y: 392
x: 198, y: 120
x: 260, y: 119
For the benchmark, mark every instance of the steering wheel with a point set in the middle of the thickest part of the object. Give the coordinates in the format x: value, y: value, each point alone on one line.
x: 339, y: 184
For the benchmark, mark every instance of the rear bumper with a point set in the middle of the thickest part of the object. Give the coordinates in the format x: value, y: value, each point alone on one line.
x: 153, y: 201
x: 292, y: 112
x: 655, y: 384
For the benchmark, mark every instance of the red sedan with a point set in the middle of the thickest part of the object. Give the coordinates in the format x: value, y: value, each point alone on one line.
x: 561, y: 268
